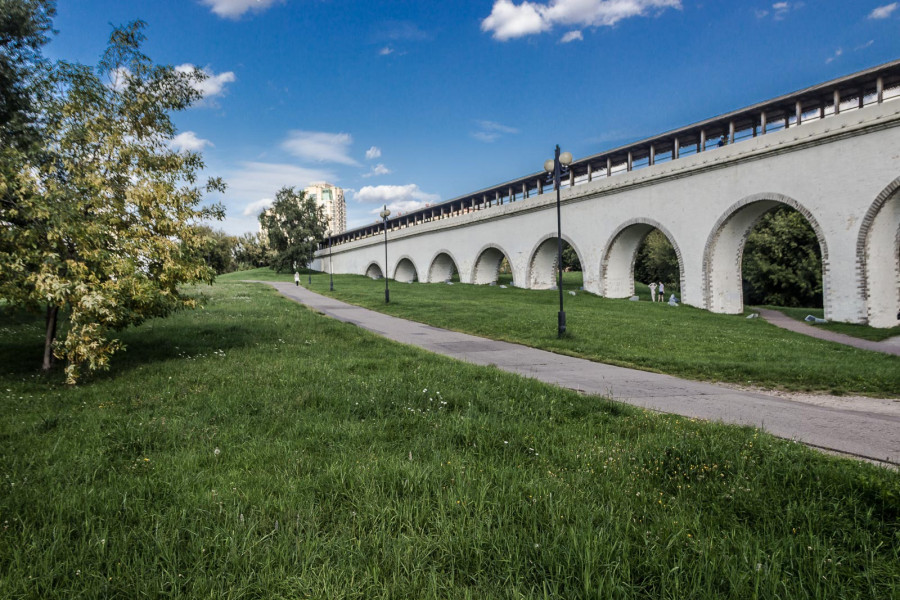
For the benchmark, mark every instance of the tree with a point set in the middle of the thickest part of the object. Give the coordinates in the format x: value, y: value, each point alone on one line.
x: 570, y: 258
x: 249, y: 251
x: 110, y: 226
x: 218, y: 250
x: 782, y: 263
x: 294, y: 226
x: 656, y: 260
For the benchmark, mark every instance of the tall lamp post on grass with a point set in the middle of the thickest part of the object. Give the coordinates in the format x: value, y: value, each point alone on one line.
x: 330, y: 263
x: 384, y: 214
x: 554, y: 166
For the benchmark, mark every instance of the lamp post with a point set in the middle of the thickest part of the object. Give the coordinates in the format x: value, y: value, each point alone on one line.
x: 554, y: 166
x: 330, y: 263
x: 384, y: 214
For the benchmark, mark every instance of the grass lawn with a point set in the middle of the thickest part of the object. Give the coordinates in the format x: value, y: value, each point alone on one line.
x: 865, y: 332
x: 254, y: 449
x: 683, y: 341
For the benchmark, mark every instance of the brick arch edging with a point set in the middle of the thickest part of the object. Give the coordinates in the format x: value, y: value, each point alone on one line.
x: 435, y: 257
x: 736, y: 208
x: 604, y: 262
x: 484, y: 249
x: 862, y: 266
x: 533, y: 253
x: 370, y: 265
x: 400, y: 259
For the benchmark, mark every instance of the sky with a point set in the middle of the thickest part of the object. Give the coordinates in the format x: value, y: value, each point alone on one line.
x: 408, y: 102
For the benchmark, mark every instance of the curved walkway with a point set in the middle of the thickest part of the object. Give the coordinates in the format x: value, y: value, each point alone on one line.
x: 863, y: 433
x: 781, y: 320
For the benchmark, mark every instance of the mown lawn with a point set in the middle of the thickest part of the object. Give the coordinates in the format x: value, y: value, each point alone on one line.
x: 254, y: 449
x: 683, y: 341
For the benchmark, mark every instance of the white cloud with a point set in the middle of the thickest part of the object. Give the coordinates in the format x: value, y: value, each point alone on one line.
x: 571, y: 37
x: 373, y: 153
x: 385, y: 51
x: 378, y: 169
x: 255, y: 208
x: 491, y: 131
x: 233, y: 9
x: 883, y: 12
x: 779, y: 10
x: 508, y: 20
x: 319, y: 146
x: 255, y: 180
x: 213, y: 85
x: 837, y: 54
x: 188, y: 141
x: 398, y: 198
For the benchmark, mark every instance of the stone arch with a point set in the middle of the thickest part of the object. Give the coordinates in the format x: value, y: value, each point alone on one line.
x: 542, y: 265
x: 405, y: 271
x: 443, y: 265
x: 374, y: 271
x: 487, y: 265
x: 724, y: 251
x: 878, y: 257
x: 619, y: 254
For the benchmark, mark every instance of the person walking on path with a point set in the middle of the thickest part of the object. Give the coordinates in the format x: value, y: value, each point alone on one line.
x: 297, y: 278
x: 652, y: 291
x: 662, y: 292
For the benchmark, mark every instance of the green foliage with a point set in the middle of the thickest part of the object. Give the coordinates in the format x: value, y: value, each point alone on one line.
x: 783, y: 261
x: 294, y: 227
x: 657, y: 261
x: 218, y: 250
x: 249, y: 251
x: 106, y: 229
x: 258, y: 450
x: 570, y: 258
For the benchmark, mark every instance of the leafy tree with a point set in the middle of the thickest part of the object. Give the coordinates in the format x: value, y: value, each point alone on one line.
x: 782, y: 263
x: 294, y: 227
x: 110, y: 225
x: 656, y: 260
x: 249, y: 251
x: 218, y: 250
x: 570, y: 258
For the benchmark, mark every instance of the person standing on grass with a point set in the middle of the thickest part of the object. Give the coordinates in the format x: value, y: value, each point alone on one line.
x: 662, y: 292
x: 297, y: 278
x: 652, y: 291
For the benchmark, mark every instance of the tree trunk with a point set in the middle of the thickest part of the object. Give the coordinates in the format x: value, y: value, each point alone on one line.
x: 52, y: 312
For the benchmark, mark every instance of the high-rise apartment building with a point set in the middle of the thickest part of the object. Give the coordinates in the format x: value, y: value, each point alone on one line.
x: 331, y: 198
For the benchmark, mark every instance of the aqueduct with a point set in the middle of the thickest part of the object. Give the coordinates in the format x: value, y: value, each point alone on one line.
x: 831, y: 151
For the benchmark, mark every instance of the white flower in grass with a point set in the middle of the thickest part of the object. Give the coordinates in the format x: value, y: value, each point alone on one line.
x: 217, y: 451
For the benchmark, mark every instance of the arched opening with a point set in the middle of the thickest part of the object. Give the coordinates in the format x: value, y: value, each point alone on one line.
x: 373, y: 271
x: 642, y: 255
x: 881, y: 239
x: 781, y: 263
x: 405, y: 271
x: 543, y: 273
x: 492, y: 267
x: 443, y: 268
x: 723, y: 262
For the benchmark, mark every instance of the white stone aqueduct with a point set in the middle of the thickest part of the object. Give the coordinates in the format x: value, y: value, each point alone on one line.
x: 832, y: 152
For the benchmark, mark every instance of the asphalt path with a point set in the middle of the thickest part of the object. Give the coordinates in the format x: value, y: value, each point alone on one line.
x: 860, y: 433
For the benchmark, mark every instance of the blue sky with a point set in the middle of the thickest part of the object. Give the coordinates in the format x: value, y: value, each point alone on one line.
x: 412, y: 101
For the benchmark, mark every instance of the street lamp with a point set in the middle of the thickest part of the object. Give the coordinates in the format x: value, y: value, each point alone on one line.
x: 384, y: 214
x: 555, y: 166
x: 330, y: 263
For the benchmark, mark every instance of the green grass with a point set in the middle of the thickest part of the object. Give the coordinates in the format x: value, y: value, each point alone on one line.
x: 254, y: 449
x: 684, y: 341
x: 864, y: 332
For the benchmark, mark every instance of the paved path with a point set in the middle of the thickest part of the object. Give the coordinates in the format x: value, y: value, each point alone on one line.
x: 860, y: 433
x: 891, y: 346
